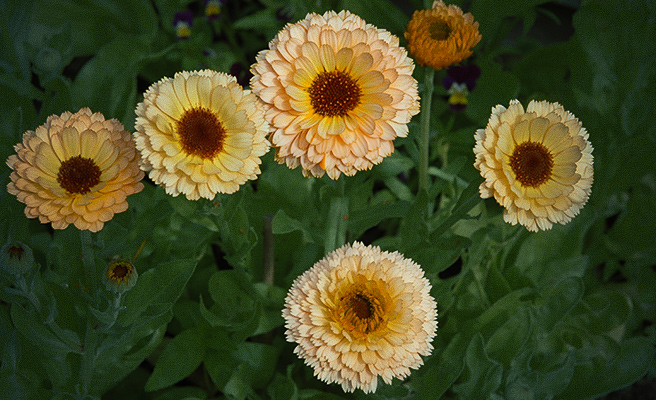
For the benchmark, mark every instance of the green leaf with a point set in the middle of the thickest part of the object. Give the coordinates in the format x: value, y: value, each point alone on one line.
x: 363, y: 219
x: 259, y: 20
x: 516, y: 330
x: 99, y: 21
x: 108, y: 82
x: 259, y: 362
x: 558, y: 302
x: 603, y: 374
x: 283, y: 387
x: 384, y: 15
x: 442, y: 369
x: 467, y: 200
x: 181, y: 356
x: 484, y: 373
x: 119, y: 355
x: 283, y: 223
x: 34, y: 330
x: 524, y: 382
x: 235, y: 304
x: 161, y: 285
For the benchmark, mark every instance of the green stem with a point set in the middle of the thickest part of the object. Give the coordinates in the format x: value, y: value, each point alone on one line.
x: 91, y: 337
x: 427, y: 98
x: 268, y: 249
x: 89, y: 263
x: 336, y: 225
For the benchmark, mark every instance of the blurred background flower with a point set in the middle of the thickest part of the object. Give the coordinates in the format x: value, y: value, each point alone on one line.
x: 459, y: 81
x: 213, y: 9
x: 182, y: 23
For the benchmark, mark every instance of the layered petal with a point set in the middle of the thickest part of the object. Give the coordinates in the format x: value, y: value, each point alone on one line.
x: 75, y: 169
x: 361, y: 313
x: 200, y: 133
x: 536, y: 163
x: 333, y: 78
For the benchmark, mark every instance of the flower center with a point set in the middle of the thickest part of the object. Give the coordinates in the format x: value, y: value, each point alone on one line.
x: 360, y: 313
x: 201, y: 133
x: 334, y: 93
x: 532, y: 163
x: 361, y: 306
x: 439, y: 31
x: 78, y: 175
x: 119, y: 271
x: 16, y: 251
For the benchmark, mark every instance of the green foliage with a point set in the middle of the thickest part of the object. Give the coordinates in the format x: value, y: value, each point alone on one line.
x: 562, y: 314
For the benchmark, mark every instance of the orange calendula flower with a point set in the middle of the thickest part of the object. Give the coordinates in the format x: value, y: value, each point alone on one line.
x: 359, y: 314
x: 200, y: 133
x: 536, y: 163
x: 441, y: 36
x: 337, y: 92
x: 75, y: 169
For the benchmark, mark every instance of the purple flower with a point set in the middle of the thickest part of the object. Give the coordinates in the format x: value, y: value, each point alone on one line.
x: 242, y: 74
x: 283, y: 14
x: 182, y: 22
x: 213, y: 9
x: 460, y: 80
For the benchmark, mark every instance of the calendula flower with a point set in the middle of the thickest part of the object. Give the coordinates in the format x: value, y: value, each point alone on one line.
x: 361, y: 313
x: 536, y: 163
x: 75, y: 169
x: 337, y: 92
x: 182, y: 22
x: 120, y: 276
x: 441, y: 36
x: 200, y: 134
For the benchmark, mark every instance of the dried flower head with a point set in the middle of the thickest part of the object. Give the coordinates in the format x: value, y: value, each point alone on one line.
x: 75, y: 169
x: 337, y: 92
x: 536, y: 163
x: 441, y: 36
x: 200, y: 133
x: 361, y: 313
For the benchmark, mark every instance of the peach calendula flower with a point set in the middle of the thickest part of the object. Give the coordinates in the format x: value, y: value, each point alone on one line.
x: 200, y: 133
x: 337, y: 92
x: 441, y: 36
x: 361, y: 313
x: 75, y: 169
x: 536, y: 163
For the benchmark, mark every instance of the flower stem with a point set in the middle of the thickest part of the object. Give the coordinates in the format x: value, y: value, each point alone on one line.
x: 87, y: 259
x: 427, y: 98
x: 87, y: 365
x: 268, y: 249
x: 336, y: 225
